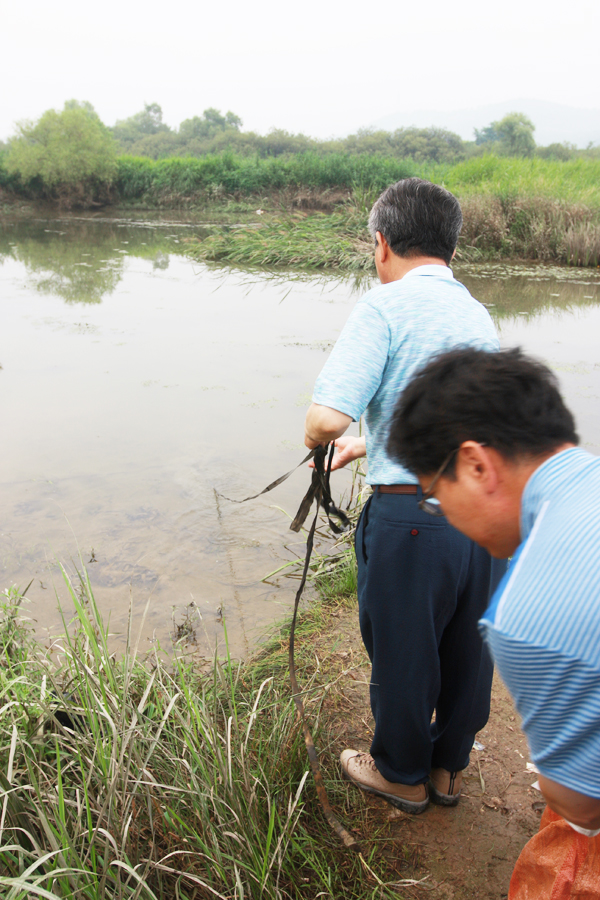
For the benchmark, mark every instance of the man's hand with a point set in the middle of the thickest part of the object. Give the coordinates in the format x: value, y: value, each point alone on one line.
x: 348, y: 449
x: 323, y: 424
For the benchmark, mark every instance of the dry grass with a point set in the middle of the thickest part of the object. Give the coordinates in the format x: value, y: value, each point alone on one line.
x: 582, y: 244
x: 536, y: 228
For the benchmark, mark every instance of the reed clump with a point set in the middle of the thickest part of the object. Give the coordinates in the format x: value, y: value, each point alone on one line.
x: 582, y: 244
x: 494, y: 227
x: 535, y: 228
x: 335, y: 241
x: 139, y: 777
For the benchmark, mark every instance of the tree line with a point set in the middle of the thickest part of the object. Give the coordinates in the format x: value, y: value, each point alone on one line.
x: 72, y: 155
x: 145, y: 134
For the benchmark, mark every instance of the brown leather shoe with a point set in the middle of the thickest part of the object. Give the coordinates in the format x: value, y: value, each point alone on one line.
x: 445, y: 787
x: 360, y: 769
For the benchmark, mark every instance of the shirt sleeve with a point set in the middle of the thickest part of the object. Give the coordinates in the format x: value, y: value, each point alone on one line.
x: 558, y: 698
x: 354, y: 370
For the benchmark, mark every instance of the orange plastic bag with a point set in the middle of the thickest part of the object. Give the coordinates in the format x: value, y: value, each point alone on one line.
x: 557, y: 864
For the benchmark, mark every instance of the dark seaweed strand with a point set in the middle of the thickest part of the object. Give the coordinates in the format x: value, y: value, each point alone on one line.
x: 273, y: 484
x: 319, y: 487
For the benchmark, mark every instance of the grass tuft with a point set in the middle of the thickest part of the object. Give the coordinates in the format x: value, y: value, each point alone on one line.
x: 141, y: 777
x: 335, y: 241
x: 582, y: 244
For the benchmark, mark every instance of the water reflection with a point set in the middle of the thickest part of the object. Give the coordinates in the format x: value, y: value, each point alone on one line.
x: 82, y: 261
x: 507, y: 290
x: 529, y: 290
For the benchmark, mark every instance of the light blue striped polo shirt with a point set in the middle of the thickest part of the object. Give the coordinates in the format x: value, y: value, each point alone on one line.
x: 392, y: 331
x: 543, y: 624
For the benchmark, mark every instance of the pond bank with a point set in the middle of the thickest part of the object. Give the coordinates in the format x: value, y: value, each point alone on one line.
x: 310, y: 211
x: 448, y: 854
x: 148, y: 776
x: 166, y: 777
x: 327, y: 230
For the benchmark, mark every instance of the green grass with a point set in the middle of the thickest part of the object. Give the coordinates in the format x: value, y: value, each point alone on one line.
x: 173, y: 181
x: 336, y: 241
x: 575, y: 181
x: 139, y: 777
x: 182, y: 180
x: 338, y: 582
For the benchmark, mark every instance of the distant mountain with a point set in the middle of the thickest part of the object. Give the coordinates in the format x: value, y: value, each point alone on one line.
x: 554, y: 122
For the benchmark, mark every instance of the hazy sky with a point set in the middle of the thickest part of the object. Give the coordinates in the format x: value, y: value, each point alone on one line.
x: 324, y: 67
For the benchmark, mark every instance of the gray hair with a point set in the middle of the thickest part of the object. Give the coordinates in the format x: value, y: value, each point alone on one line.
x: 417, y: 218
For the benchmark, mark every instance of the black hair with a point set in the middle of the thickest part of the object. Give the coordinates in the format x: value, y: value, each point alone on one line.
x: 418, y: 218
x: 505, y: 400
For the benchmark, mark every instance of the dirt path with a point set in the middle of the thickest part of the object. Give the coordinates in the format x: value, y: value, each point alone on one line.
x: 462, y: 853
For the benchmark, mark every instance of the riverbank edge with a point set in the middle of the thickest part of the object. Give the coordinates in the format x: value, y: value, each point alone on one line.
x: 118, y: 765
x: 326, y: 229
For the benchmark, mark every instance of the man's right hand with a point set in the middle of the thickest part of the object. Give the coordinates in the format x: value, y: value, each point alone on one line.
x: 348, y: 449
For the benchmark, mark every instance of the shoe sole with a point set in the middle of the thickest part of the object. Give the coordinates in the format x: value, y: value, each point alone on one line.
x: 442, y: 799
x: 407, y: 806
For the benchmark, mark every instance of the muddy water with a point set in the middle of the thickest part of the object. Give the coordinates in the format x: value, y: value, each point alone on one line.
x: 554, y: 314
x: 136, y: 383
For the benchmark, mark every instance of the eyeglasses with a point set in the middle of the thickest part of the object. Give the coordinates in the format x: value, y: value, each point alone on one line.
x: 434, y: 509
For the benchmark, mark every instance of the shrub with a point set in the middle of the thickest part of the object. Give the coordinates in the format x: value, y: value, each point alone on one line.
x: 562, y: 151
x: 68, y: 155
x: 512, y: 135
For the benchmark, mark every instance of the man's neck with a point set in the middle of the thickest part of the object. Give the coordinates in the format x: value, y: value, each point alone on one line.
x: 528, y: 467
x: 398, y: 266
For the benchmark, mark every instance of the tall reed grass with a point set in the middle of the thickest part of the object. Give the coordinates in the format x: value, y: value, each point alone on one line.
x: 582, y: 244
x: 179, y: 180
x: 175, y: 181
x: 536, y: 228
x: 336, y: 241
x: 539, y: 209
x: 134, y: 776
x: 532, y: 228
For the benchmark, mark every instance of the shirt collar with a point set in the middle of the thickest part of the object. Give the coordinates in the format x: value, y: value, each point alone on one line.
x: 438, y: 271
x: 536, y: 489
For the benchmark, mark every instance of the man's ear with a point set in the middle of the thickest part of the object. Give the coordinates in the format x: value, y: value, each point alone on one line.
x: 476, y: 464
x: 384, y: 247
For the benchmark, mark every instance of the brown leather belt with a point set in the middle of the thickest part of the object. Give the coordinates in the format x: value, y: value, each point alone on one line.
x: 396, y: 488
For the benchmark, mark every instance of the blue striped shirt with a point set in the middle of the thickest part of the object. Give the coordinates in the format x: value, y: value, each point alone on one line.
x: 543, y: 624
x: 392, y: 331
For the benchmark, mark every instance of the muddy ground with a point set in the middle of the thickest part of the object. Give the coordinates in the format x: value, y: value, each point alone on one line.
x: 454, y: 854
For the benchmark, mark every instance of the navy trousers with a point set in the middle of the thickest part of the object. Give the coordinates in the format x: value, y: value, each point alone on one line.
x: 422, y: 586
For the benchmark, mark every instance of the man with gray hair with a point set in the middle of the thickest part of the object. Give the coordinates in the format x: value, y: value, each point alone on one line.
x: 422, y: 586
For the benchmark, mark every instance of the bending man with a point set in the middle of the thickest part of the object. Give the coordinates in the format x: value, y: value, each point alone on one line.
x: 490, y: 438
